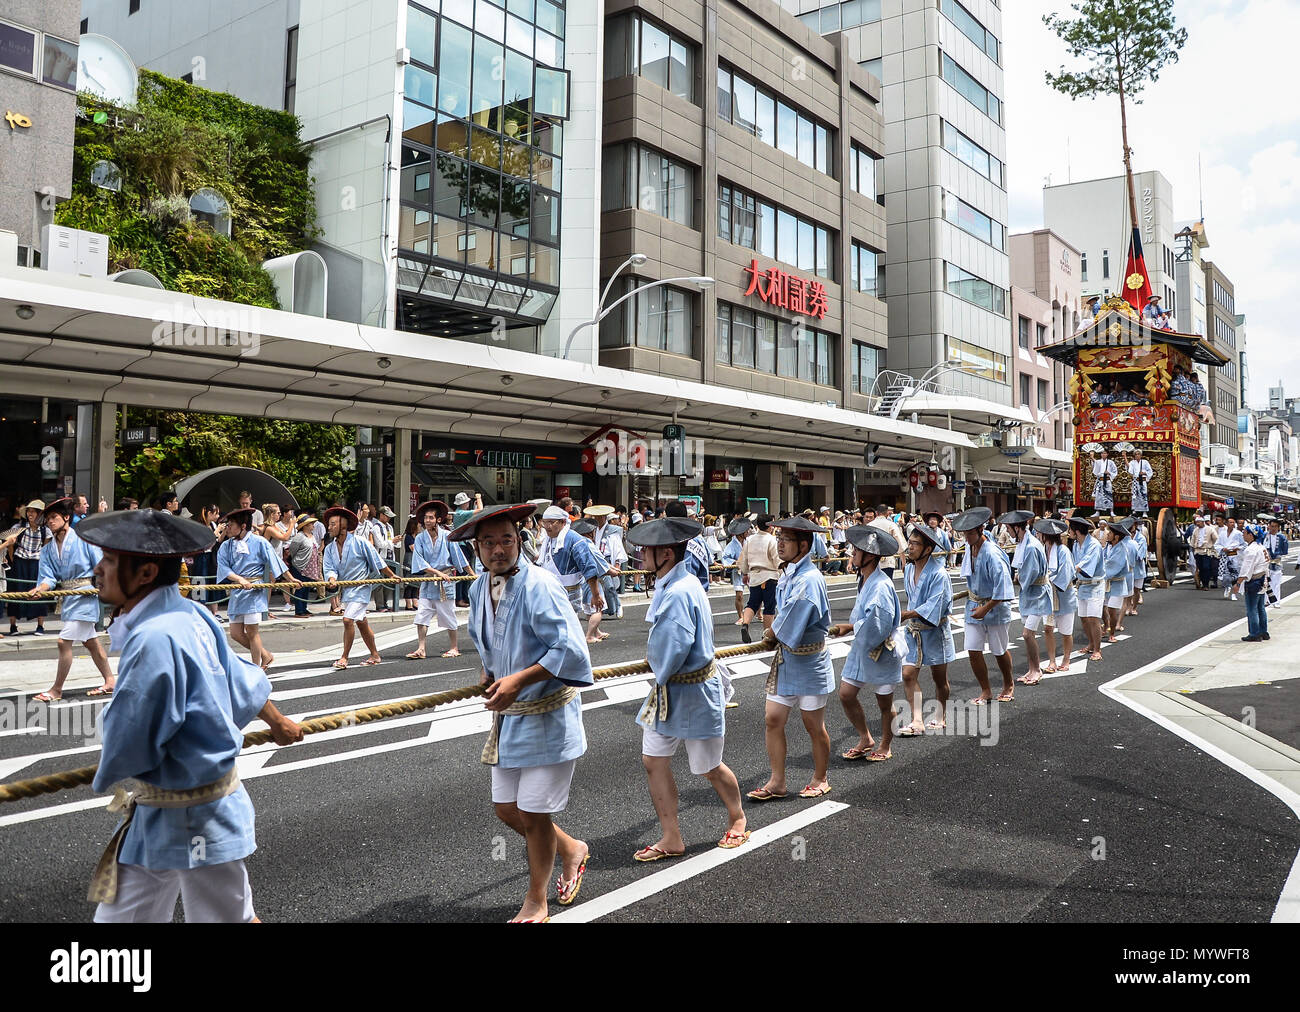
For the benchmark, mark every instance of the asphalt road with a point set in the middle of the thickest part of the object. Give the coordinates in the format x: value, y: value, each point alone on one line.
x: 1081, y: 811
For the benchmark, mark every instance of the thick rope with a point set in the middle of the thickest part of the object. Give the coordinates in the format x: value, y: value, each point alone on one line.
x: 52, y: 782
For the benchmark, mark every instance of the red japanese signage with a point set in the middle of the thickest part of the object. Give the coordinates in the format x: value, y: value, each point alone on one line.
x: 780, y: 288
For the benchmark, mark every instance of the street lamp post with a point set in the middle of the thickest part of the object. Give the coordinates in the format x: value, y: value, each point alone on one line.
x: 700, y: 282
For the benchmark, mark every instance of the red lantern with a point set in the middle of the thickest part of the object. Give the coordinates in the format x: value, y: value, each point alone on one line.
x: 914, y: 479
x: 588, y: 459
x: 932, y: 477
x: 1063, y: 486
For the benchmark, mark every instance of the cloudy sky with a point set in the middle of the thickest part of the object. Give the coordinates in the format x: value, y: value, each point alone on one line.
x: 1231, y: 100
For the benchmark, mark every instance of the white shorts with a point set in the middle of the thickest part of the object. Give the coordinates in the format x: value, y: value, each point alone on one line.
x: 355, y: 610
x: 536, y: 789
x: 445, y: 611
x: 704, y: 754
x: 245, y: 619
x: 211, y: 894
x: 888, y: 689
x: 1116, y: 600
x: 78, y: 631
x: 807, y: 703
x: 1064, y: 623
x: 1035, y: 623
x: 1090, y: 607
x: 1138, y: 581
x: 990, y: 637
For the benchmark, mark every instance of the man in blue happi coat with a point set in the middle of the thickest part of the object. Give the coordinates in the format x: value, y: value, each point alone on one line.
x: 172, y: 733
x: 534, y: 663
x: 435, y: 555
x: 688, y: 702
x: 348, y: 557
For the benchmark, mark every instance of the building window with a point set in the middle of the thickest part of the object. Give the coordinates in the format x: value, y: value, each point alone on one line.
x: 291, y: 66
x: 1024, y: 389
x: 970, y: 27
x: 876, y: 68
x: 1042, y: 335
x: 1023, y: 325
x: 106, y: 176
x: 976, y: 291
x: 974, y: 222
x: 864, y: 269
x: 971, y: 90
x: 977, y: 361
x: 1042, y: 396
x: 85, y: 26
x: 661, y: 318
x: 1083, y: 266
x: 749, y: 107
x: 19, y: 49
x: 958, y: 144
x: 771, y: 344
x: 635, y: 46
x: 864, y: 172
x: 865, y: 362
x: 188, y: 78
x: 133, y: 8
x: 637, y: 176
x: 1105, y: 265
x: 773, y: 232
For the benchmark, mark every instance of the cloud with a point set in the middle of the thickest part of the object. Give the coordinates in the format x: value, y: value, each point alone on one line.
x: 1218, y: 121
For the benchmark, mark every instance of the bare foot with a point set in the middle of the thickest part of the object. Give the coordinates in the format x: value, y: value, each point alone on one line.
x: 530, y: 913
x: 267, y: 659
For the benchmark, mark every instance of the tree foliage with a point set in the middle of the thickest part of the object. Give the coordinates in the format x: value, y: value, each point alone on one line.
x: 1126, y: 44
x: 302, y: 456
x: 179, y: 139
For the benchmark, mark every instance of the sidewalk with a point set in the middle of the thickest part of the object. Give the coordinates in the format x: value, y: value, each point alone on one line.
x: 1235, y: 700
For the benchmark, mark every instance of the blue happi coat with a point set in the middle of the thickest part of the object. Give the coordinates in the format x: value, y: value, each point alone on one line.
x: 176, y: 721
x: 875, y: 618
x: 681, y: 639
x: 1140, y: 549
x: 443, y: 554
x: 698, y: 559
x: 533, y: 624
x: 76, y: 559
x: 929, y: 594
x: 358, y: 561
x: 989, y: 577
x: 573, y: 556
x: 1060, y: 573
x: 1117, y: 563
x: 1088, y: 565
x: 1035, y: 597
x: 256, y: 561
x: 803, y: 617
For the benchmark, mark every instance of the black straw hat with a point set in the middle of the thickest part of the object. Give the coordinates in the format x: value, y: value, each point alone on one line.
x: 515, y: 513
x: 1050, y: 525
x: 739, y: 526
x: 153, y: 533
x: 664, y: 531
x: 927, y: 532
x: 1016, y: 518
x: 976, y: 516
x: 872, y: 540
x: 801, y: 524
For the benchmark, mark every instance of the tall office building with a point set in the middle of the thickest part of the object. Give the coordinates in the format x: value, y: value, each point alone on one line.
x: 1224, y: 389
x: 1094, y: 216
x: 947, y: 277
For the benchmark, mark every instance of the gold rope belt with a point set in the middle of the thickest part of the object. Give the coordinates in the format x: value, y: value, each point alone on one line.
x: 524, y: 708
x: 655, y: 706
x: 778, y: 659
x: 887, y: 645
x: 916, y: 627
x: 77, y: 584
x: 103, y: 883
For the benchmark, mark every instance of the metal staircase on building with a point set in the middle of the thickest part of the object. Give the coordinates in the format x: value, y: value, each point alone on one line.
x: 447, y: 480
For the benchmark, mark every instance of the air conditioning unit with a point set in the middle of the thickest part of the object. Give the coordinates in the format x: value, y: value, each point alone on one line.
x: 74, y: 251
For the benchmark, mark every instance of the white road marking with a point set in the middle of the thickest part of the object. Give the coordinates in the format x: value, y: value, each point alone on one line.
x: 681, y: 871
x: 1287, y: 909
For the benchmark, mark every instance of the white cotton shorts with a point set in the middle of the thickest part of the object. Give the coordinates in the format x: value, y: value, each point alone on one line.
x: 211, y: 894
x: 255, y: 619
x: 1116, y: 600
x: 807, y: 703
x: 1064, y: 622
x: 704, y: 754
x: 1090, y: 607
x: 445, y: 611
x: 541, y: 790
x: 888, y: 689
x: 1138, y: 580
x: 990, y: 637
x: 78, y: 631
x: 1035, y: 623
x: 355, y: 610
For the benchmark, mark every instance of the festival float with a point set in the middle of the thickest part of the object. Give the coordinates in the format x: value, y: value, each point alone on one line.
x: 1135, y: 388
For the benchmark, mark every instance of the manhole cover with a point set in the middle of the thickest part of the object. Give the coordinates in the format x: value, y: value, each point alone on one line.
x: 1176, y: 669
